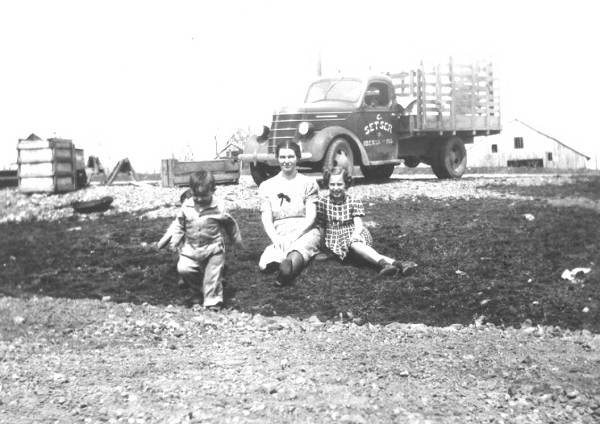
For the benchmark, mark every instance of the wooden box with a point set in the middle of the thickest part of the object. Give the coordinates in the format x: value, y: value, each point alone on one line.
x: 46, y: 165
x: 176, y: 174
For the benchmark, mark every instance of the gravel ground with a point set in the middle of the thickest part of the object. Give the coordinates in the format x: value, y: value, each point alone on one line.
x: 153, y: 201
x: 64, y: 360
x: 92, y: 361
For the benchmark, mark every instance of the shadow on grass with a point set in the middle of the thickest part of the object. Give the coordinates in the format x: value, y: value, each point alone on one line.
x: 476, y: 258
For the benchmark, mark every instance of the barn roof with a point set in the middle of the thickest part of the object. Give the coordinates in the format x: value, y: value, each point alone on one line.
x: 32, y: 137
x: 551, y: 138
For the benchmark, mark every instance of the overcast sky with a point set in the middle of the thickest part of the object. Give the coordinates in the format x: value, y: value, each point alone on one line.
x: 154, y: 79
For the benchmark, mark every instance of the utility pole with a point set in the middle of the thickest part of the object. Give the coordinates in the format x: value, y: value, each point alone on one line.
x: 319, y: 65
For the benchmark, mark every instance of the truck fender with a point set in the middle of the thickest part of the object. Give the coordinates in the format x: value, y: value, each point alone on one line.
x: 320, y: 142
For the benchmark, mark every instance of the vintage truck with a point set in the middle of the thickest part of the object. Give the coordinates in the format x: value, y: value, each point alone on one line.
x: 425, y: 115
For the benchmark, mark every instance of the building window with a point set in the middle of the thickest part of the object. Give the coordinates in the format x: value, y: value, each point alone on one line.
x: 377, y: 95
x: 549, y: 156
x: 494, y: 148
x: 518, y: 142
x: 525, y: 163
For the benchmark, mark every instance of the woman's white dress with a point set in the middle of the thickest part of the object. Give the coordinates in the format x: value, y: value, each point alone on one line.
x: 287, y: 200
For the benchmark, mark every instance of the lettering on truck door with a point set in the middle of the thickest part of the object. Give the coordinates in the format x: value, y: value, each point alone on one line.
x: 376, y: 123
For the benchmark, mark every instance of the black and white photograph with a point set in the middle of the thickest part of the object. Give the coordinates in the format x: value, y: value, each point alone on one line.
x: 299, y: 212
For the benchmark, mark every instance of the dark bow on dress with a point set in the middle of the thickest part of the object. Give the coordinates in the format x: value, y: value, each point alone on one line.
x: 282, y: 197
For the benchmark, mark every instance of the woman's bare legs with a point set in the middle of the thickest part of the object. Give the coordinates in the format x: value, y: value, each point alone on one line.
x: 290, y: 267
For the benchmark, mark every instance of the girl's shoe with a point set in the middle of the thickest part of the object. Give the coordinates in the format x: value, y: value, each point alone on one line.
x: 387, y: 269
x: 406, y: 267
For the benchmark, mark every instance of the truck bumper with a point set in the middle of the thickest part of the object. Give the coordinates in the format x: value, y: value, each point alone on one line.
x: 266, y: 157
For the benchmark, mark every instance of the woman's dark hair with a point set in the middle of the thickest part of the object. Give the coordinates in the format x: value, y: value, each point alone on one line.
x: 287, y: 144
x: 202, y: 179
x: 337, y: 170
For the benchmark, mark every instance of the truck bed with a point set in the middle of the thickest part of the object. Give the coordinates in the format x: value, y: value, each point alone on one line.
x: 450, y: 98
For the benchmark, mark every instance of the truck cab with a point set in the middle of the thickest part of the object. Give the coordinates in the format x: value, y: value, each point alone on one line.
x: 350, y: 116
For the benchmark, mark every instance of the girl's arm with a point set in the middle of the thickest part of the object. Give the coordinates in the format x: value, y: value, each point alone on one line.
x: 310, y: 215
x: 321, y: 219
x: 358, y: 211
x: 358, y: 227
x: 310, y: 209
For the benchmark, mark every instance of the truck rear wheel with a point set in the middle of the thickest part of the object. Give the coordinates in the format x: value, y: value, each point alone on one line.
x: 377, y: 173
x: 261, y: 172
x: 340, y: 154
x: 449, y: 158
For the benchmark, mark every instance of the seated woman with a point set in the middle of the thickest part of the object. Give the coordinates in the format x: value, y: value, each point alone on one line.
x: 288, y: 216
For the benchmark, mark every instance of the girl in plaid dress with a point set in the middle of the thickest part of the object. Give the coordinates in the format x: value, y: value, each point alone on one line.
x: 340, y: 215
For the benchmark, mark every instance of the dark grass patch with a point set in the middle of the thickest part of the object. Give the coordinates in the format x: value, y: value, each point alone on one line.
x: 583, y: 186
x: 476, y: 257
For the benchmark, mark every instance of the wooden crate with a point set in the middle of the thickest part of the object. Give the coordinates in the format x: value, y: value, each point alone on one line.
x: 79, y: 159
x: 46, y: 165
x: 51, y: 184
x: 177, y: 174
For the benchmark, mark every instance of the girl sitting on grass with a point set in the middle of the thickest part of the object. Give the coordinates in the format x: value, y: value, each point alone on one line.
x: 340, y: 214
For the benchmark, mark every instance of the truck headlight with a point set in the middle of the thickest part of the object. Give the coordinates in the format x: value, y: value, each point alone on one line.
x: 305, y: 128
x: 261, y: 132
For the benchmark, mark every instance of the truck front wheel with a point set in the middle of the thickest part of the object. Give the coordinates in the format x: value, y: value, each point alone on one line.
x: 261, y: 172
x: 377, y: 173
x: 449, y: 158
x: 340, y: 154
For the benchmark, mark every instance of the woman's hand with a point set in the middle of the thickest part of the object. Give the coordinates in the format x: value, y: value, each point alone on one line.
x: 278, y: 242
x: 296, y: 235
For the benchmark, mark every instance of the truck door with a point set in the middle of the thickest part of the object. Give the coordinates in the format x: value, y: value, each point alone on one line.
x: 376, y: 123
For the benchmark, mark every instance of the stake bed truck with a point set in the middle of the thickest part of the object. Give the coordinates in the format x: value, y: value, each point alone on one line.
x: 426, y: 115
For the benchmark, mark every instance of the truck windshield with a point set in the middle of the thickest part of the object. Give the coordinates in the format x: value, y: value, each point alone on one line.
x: 337, y: 90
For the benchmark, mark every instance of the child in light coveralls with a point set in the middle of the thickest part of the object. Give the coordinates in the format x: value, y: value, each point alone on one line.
x: 197, y: 232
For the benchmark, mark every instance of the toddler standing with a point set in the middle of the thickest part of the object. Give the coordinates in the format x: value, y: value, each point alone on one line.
x: 197, y: 232
x: 340, y: 215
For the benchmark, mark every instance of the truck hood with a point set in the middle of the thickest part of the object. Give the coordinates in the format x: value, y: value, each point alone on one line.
x: 326, y: 106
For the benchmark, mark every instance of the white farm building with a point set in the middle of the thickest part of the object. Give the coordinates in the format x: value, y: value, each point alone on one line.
x: 519, y: 144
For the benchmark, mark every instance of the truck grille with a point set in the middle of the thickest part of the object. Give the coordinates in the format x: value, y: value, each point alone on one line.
x: 285, y: 125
